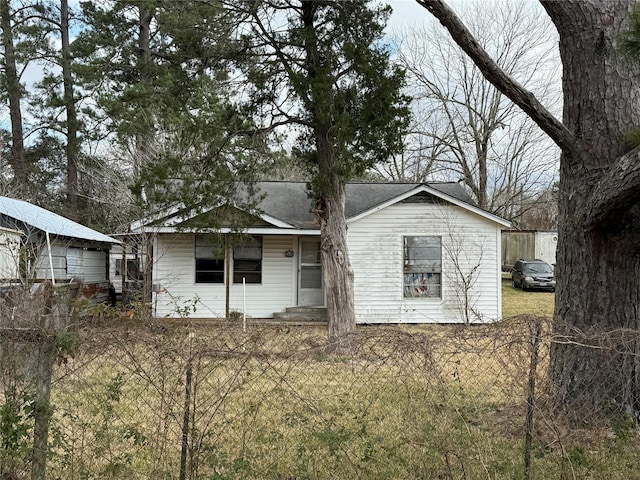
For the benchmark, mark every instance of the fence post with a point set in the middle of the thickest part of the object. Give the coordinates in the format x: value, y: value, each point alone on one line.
x: 187, y: 412
x: 44, y: 370
x: 536, y: 330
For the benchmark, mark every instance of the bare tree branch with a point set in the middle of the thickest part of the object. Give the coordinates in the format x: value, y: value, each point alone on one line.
x: 497, y: 76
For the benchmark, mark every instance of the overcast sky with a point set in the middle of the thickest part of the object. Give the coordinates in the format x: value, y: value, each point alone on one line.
x: 406, y: 12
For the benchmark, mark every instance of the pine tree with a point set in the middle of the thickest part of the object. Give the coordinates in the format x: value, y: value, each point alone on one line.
x: 159, y: 68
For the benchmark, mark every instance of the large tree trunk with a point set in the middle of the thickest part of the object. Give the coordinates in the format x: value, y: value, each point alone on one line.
x: 598, y: 272
x: 144, y: 133
x: 595, y: 361
x: 72, y: 117
x: 330, y: 193
x: 336, y: 267
x: 14, y: 93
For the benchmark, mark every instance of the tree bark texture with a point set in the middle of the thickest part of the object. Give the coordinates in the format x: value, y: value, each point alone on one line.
x: 330, y: 192
x: 595, y: 358
x: 14, y: 93
x: 72, y: 117
x: 598, y: 258
x: 336, y: 267
x: 337, y: 271
x: 144, y: 138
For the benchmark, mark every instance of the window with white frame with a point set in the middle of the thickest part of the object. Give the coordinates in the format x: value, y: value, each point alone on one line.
x: 209, y: 256
x: 422, y: 267
x: 247, y: 261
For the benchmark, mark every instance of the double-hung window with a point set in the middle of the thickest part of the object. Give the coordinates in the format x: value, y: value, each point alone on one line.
x: 209, y: 260
x: 247, y: 261
x: 422, y: 267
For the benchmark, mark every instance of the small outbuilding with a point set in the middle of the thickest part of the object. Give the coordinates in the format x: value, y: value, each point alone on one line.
x: 420, y: 252
x: 52, y: 247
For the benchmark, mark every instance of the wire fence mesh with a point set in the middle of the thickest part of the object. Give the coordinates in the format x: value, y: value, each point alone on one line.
x: 190, y: 400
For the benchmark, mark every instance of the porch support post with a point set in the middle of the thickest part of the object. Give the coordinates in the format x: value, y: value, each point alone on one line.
x: 227, y: 270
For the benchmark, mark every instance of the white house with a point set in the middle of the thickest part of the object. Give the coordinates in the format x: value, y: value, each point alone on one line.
x: 420, y: 253
x: 55, y: 248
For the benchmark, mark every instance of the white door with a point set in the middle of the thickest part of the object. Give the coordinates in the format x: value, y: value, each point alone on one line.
x: 310, y: 292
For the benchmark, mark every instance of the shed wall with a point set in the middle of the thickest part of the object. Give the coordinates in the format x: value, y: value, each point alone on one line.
x: 58, y: 260
x: 89, y: 266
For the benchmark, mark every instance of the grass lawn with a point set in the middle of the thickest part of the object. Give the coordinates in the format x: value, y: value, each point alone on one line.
x: 515, y: 301
x: 435, y: 401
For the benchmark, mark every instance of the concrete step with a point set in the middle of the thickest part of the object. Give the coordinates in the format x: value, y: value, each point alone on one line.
x: 311, y: 310
x: 302, y: 314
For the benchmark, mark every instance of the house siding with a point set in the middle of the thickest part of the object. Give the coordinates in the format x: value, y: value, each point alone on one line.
x: 468, y: 242
x: 9, y: 254
x: 177, y: 294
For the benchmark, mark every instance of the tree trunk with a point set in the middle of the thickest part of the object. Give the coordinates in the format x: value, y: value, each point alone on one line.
x: 594, y: 361
x: 598, y: 258
x: 336, y: 267
x: 72, y: 117
x: 144, y: 133
x: 330, y: 190
x: 14, y: 94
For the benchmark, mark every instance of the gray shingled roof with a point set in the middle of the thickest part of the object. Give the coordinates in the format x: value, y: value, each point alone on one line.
x: 42, y: 219
x: 289, y: 202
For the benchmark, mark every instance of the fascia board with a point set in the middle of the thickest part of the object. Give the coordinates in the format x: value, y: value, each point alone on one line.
x: 145, y: 223
x: 251, y: 231
x: 435, y: 193
x: 275, y: 222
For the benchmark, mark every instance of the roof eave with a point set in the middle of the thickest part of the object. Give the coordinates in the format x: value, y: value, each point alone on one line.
x: 436, y: 193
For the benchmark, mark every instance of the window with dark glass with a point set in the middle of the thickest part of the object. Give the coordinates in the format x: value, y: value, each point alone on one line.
x: 209, y: 260
x: 247, y: 261
x: 422, y: 267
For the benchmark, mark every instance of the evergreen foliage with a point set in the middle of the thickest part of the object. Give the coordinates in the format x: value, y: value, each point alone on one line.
x: 160, y: 70
x: 324, y: 71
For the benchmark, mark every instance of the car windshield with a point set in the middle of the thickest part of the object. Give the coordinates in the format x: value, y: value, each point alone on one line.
x: 538, y: 268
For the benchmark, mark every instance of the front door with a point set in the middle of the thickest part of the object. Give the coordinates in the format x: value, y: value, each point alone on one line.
x: 310, y: 292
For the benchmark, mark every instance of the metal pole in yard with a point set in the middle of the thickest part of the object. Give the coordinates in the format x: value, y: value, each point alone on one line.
x: 244, y: 305
x: 53, y: 276
x: 533, y: 366
x: 228, y: 253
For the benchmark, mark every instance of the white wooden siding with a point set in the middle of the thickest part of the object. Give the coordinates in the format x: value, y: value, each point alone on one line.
x: 468, y: 241
x: 9, y: 254
x: 177, y: 292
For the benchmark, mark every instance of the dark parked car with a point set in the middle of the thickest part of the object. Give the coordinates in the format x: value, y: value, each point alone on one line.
x: 532, y: 274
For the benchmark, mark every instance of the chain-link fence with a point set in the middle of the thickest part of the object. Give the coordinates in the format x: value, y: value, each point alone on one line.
x: 212, y: 400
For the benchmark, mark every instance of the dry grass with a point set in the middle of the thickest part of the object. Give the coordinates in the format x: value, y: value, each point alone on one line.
x: 272, y: 403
